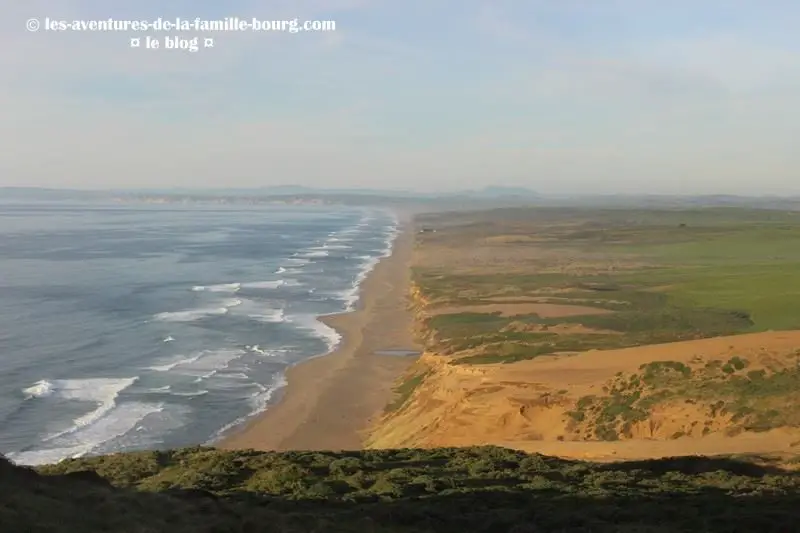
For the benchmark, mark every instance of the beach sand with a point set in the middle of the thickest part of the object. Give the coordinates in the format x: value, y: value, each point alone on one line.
x: 330, y: 401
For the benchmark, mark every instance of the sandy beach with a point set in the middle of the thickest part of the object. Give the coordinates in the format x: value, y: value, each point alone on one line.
x: 329, y: 401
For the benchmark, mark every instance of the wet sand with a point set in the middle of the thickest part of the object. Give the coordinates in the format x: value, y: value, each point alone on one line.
x: 330, y: 401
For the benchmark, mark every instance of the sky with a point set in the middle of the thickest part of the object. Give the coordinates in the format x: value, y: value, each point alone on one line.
x: 561, y: 96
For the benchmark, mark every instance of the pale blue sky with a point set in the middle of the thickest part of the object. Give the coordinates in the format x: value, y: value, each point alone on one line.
x: 561, y: 96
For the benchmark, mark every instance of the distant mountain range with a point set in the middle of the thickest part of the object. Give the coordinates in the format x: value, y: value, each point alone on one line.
x: 468, y: 199
x: 299, y: 190
x: 279, y: 190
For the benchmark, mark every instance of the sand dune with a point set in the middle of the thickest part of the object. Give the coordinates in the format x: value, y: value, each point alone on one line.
x: 523, y: 405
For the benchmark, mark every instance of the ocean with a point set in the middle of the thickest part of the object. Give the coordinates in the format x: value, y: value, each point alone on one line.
x: 129, y: 327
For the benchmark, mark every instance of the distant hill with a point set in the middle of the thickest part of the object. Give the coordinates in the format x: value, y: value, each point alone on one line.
x: 45, y: 194
x: 278, y: 190
x: 496, y: 195
x: 500, y: 192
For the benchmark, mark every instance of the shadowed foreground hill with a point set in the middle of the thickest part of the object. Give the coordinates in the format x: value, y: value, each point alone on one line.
x: 481, y: 489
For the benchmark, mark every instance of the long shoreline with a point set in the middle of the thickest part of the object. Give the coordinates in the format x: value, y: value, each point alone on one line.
x: 329, y: 400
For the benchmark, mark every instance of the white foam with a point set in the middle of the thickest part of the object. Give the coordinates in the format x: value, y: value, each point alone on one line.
x: 102, y: 391
x: 88, y: 437
x: 264, y: 284
x: 166, y: 367
x: 89, y: 430
x: 190, y: 394
x: 48, y: 456
x: 298, y: 260
x: 222, y: 287
x: 259, y: 311
x: 259, y: 402
x: 320, y: 330
x: 257, y: 349
x: 350, y: 296
x: 40, y: 389
x: 260, y: 399
x: 169, y: 339
x: 165, y: 388
x: 191, y: 315
x: 316, y: 253
x: 126, y: 416
x: 274, y: 316
x: 330, y: 244
x: 209, y: 362
x: 280, y: 270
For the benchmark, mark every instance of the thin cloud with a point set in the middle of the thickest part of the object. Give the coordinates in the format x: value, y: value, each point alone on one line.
x: 573, y: 95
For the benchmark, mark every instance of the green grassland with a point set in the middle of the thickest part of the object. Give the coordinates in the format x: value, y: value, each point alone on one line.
x: 481, y: 490
x: 691, y: 274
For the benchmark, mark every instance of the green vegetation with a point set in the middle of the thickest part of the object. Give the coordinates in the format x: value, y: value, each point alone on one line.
x: 664, y: 275
x: 405, y: 390
x: 750, y: 400
x: 452, y: 333
x: 482, y: 489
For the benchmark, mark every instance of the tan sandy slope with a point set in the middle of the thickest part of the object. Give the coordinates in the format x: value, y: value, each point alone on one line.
x: 524, y: 405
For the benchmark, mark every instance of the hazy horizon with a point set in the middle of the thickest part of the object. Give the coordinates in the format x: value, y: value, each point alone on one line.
x: 388, y: 191
x: 571, y: 97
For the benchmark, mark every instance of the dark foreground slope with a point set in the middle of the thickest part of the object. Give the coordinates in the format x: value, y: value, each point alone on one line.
x: 485, y: 489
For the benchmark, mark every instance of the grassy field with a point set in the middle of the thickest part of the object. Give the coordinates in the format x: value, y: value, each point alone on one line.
x: 482, y: 489
x: 666, y: 276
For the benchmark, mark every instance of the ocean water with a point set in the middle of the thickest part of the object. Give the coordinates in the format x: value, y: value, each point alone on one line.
x: 143, y: 327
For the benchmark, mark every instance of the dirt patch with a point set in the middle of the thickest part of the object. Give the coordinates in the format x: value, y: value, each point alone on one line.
x: 513, y: 239
x: 544, y: 310
x: 535, y: 295
x: 780, y: 442
x: 560, y: 329
x: 549, y: 296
